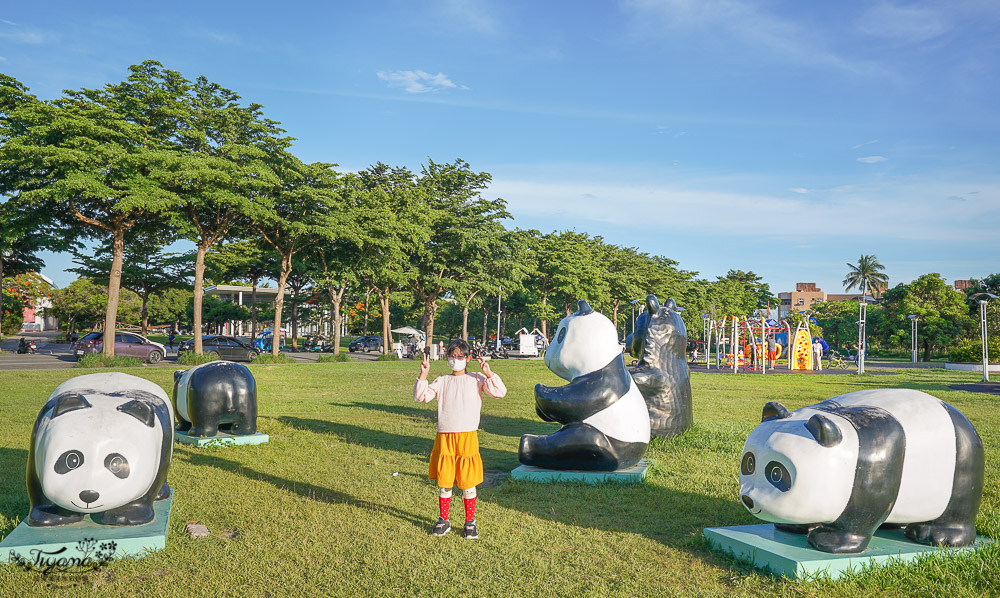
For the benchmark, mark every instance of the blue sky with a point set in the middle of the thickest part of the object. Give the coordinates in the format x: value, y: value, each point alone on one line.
x: 783, y: 137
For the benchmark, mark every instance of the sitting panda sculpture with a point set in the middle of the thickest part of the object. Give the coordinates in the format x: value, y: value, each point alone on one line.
x: 101, y: 446
x: 839, y: 469
x: 213, y: 394
x: 604, y: 417
x: 660, y: 344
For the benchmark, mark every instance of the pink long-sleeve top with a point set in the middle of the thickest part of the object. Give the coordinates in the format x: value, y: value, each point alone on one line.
x: 459, y: 398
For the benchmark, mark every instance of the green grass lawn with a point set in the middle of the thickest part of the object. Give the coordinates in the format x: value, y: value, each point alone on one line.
x: 338, y: 503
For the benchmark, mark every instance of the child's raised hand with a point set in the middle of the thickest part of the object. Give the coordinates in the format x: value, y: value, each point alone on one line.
x: 485, y: 367
x: 425, y: 366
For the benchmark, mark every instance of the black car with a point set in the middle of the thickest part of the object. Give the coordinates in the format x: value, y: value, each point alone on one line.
x: 366, y: 343
x: 224, y: 347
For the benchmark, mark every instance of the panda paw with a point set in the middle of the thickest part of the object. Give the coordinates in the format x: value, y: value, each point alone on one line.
x: 953, y: 534
x: 837, y: 542
x: 52, y: 515
x: 132, y: 514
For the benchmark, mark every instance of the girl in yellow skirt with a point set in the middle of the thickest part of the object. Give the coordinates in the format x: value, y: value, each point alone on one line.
x: 455, y: 457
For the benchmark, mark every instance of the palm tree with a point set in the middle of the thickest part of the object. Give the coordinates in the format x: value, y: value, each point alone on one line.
x: 866, y: 275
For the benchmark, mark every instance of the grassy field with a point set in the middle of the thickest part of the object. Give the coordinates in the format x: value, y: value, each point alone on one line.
x: 338, y: 503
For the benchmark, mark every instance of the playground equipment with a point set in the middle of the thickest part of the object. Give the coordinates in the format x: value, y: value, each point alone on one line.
x: 801, y: 355
x: 742, y: 342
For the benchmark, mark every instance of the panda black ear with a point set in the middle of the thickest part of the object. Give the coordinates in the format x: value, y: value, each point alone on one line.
x: 774, y: 410
x: 652, y: 304
x: 584, y: 308
x: 824, y: 430
x: 67, y: 402
x: 178, y: 374
x: 141, y: 410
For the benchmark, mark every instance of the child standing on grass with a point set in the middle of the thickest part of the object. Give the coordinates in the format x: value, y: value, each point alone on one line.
x: 455, y: 457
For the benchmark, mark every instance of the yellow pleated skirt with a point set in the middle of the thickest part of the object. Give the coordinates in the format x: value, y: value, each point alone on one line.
x: 455, y: 458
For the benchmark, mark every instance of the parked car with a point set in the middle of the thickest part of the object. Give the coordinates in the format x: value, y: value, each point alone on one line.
x: 366, y: 343
x: 224, y: 347
x: 127, y: 344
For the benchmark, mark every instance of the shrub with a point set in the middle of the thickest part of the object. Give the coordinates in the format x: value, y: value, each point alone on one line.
x: 98, y: 360
x: 387, y: 357
x: 192, y: 358
x: 268, y: 358
x: 971, y: 351
x: 340, y: 357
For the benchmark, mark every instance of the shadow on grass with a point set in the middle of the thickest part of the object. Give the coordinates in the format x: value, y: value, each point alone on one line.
x: 13, y: 493
x: 494, y: 424
x: 413, y: 445
x: 303, y: 489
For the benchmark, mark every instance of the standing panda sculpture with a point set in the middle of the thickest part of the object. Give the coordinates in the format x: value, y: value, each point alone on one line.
x: 213, y: 394
x: 101, y: 446
x: 839, y: 469
x: 604, y: 417
x: 660, y: 344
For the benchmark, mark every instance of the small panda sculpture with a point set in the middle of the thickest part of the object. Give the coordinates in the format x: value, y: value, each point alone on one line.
x: 660, y: 344
x: 213, y: 394
x: 101, y: 446
x: 839, y: 469
x: 604, y: 417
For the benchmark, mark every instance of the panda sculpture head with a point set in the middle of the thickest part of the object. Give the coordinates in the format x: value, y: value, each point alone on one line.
x: 797, y: 467
x: 584, y: 342
x: 659, y: 330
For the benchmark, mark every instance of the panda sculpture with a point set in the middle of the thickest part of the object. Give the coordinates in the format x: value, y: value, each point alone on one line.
x: 839, y: 469
x: 660, y: 344
x: 101, y: 446
x: 213, y: 394
x: 604, y: 417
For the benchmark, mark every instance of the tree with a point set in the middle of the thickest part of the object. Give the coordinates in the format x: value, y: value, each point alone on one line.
x: 866, y: 276
x: 988, y: 284
x: 145, y: 268
x: 732, y: 298
x: 248, y: 260
x: 461, y: 228
x: 92, y: 159
x: 568, y: 269
x: 756, y: 285
x: 84, y: 304
x: 169, y: 306
x: 839, y: 321
x: 942, y: 313
x: 384, y: 208
x: 221, y: 173
x: 630, y: 274
x: 302, y: 210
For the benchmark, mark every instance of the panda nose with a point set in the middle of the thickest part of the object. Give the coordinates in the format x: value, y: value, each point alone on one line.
x: 89, y: 496
x: 747, y: 501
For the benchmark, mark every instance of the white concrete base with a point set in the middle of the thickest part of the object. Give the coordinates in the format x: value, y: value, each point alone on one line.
x: 970, y: 367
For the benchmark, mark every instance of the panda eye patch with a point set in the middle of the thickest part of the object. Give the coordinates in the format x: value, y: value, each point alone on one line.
x: 748, y: 465
x: 117, y: 464
x: 68, y: 461
x: 562, y: 336
x: 778, y: 476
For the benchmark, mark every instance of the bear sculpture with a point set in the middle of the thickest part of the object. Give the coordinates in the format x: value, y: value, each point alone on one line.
x: 101, y: 446
x: 660, y: 344
x: 213, y: 394
x: 604, y: 417
x: 839, y: 469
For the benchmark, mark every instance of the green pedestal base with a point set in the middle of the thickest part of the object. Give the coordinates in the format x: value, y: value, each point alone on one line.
x: 791, y: 555
x: 220, y: 439
x: 633, y: 475
x: 88, y: 542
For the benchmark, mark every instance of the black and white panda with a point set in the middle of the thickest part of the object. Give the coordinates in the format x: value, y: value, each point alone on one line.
x: 604, y: 417
x: 101, y: 446
x: 839, y: 469
x: 213, y: 394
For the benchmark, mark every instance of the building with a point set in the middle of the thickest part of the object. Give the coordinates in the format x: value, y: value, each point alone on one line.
x: 34, y: 317
x: 806, y: 296
x: 963, y: 285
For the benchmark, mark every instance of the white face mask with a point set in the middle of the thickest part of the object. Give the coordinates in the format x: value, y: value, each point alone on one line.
x: 457, y: 364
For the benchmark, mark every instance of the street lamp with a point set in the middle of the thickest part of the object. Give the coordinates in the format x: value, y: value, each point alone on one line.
x: 913, y: 338
x: 705, y: 318
x: 633, y: 302
x: 863, y: 302
x: 984, y: 332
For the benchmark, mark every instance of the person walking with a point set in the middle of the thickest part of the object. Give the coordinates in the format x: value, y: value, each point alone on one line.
x: 170, y: 339
x: 772, y: 352
x: 817, y: 354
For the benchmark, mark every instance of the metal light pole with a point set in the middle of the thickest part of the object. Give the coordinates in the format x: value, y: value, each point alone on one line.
x: 985, y: 332
x: 913, y: 338
x: 708, y: 338
x: 499, y: 293
x: 863, y: 314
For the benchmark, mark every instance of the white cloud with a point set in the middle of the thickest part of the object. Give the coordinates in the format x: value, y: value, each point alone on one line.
x: 418, y: 81
x: 908, y: 24
x: 14, y: 33
x: 801, y: 190
x: 872, y: 159
x: 751, y: 23
x: 861, y: 145
x: 471, y: 15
